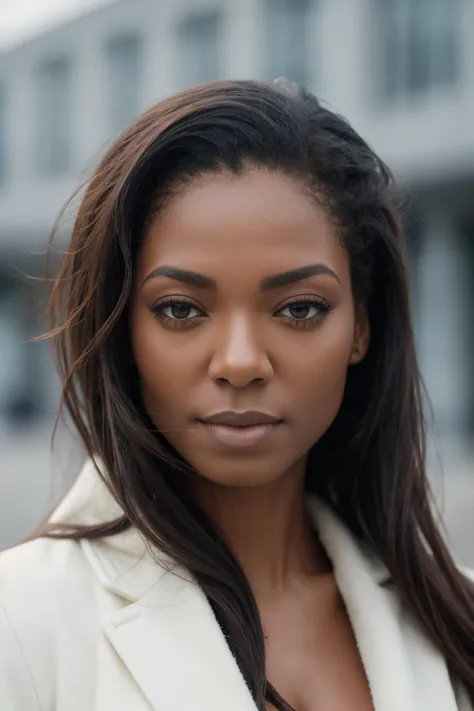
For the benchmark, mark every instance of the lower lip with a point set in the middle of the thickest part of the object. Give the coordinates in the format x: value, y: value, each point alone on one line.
x: 240, y: 436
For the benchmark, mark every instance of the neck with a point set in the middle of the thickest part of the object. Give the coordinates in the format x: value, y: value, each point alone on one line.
x: 268, y: 530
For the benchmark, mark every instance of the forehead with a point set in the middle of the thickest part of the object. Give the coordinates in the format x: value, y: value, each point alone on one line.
x: 259, y: 221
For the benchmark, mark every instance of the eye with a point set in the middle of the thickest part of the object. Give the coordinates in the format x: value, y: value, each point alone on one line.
x: 301, y: 310
x: 176, y: 312
x: 179, y: 311
x: 305, y: 312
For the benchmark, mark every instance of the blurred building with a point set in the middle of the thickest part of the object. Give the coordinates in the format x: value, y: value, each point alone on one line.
x: 402, y: 71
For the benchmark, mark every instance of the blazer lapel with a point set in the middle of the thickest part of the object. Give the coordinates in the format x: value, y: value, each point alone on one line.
x: 403, y: 669
x: 167, y: 636
x: 172, y: 645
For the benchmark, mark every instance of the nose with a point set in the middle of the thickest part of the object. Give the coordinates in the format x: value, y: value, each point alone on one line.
x: 238, y: 358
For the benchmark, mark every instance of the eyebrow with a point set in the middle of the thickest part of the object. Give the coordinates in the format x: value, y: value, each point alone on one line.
x: 275, y: 281
x: 183, y: 275
x: 278, y: 280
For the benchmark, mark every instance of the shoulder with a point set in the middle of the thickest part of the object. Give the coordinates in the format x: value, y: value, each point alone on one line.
x: 44, y: 589
x: 35, y: 572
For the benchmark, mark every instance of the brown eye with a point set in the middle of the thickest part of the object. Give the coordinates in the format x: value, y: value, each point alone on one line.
x: 305, y: 312
x: 179, y: 311
x: 302, y: 310
x: 175, y: 310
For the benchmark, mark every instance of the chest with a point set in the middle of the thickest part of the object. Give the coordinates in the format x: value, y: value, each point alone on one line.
x: 312, y: 656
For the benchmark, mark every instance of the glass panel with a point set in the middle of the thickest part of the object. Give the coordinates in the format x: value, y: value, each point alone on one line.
x: 3, y: 142
x: 418, y: 43
x: 445, y: 23
x: 392, y: 21
x: 288, y: 39
x: 53, y: 146
x: 123, y: 86
x: 199, y: 49
x: 11, y: 338
x: 469, y: 248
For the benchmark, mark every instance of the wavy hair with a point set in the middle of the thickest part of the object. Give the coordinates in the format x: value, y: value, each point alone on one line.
x: 370, y: 465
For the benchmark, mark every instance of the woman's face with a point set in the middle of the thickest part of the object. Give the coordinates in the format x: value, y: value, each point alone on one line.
x: 243, y: 325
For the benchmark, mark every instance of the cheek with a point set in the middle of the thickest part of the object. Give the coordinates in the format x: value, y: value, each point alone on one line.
x: 163, y: 378
x: 319, y: 373
x: 324, y: 357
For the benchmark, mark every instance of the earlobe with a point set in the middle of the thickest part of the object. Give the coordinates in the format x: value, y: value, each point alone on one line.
x: 361, y: 340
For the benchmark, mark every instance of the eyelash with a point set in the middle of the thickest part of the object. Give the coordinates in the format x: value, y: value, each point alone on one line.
x: 323, y: 306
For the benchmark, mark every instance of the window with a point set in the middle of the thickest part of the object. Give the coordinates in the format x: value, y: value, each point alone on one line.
x: 288, y: 36
x: 53, y: 139
x: 23, y: 386
x: 199, y: 49
x: 469, y: 250
x: 3, y: 142
x: 418, y: 44
x: 123, y: 81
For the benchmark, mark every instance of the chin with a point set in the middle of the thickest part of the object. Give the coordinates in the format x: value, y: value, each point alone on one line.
x: 242, y: 474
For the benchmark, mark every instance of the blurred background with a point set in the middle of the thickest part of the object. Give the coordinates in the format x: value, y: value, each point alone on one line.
x: 73, y: 73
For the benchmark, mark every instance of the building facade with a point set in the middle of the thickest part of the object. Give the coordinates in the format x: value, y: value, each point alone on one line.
x: 402, y: 72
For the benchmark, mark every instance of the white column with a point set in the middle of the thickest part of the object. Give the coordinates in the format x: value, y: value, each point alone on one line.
x: 442, y: 326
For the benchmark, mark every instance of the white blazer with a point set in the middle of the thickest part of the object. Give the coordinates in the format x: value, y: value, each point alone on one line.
x: 101, y: 626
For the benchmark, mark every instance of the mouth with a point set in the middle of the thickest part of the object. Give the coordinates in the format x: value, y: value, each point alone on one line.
x: 231, y: 418
x: 240, y: 429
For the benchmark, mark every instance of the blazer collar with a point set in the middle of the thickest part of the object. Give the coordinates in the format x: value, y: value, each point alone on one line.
x: 169, y: 639
x: 90, y: 502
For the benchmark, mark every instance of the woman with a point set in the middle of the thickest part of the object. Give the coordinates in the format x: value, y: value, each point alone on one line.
x: 254, y: 528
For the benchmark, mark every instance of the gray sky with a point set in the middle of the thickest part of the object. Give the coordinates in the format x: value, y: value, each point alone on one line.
x: 20, y: 19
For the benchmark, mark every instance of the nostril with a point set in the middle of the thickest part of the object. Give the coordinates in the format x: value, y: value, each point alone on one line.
x: 239, y: 383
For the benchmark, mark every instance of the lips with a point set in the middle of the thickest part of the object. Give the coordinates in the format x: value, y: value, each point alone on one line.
x: 237, y: 430
x: 250, y: 418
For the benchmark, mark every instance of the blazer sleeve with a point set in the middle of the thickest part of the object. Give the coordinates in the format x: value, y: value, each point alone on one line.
x: 17, y: 689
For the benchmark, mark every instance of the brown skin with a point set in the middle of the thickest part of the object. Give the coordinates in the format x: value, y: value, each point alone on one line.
x: 237, y: 346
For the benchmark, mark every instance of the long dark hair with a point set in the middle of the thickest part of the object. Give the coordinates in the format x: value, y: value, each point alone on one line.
x: 369, y: 467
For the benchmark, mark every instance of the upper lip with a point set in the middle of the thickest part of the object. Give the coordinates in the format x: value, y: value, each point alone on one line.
x: 240, y: 419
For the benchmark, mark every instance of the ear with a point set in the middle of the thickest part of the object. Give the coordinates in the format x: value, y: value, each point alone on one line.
x: 361, y: 340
